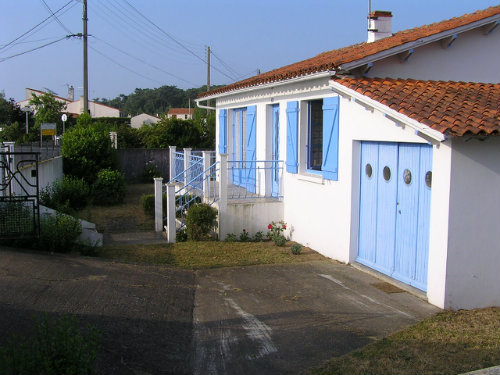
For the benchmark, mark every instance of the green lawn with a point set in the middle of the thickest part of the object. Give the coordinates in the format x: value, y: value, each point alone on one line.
x: 451, y: 342
x: 208, y: 254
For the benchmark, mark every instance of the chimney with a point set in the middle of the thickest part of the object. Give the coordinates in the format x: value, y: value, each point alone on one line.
x: 71, y: 93
x: 379, y: 25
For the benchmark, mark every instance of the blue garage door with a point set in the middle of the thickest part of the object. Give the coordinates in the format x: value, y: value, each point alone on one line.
x: 394, y: 214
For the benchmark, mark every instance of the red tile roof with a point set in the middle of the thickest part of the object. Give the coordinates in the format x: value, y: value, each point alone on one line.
x: 454, y: 108
x: 329, y: 61
x: 181, y: 111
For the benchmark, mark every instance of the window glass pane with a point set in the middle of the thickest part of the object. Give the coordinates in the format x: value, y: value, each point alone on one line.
x: 315, y: 136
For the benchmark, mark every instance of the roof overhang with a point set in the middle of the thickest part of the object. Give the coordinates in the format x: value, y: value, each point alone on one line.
x: 489, y: 22
x: 266, y: 86
x: 399, y: 119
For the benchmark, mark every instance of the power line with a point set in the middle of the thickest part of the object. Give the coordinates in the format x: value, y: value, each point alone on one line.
x: 34, y: 27
x: 173, y: 39
x: 143, y: 61
x: 123, y: 66
x: 36, y: 48
x: 229, y: 69
x: 55, y: 17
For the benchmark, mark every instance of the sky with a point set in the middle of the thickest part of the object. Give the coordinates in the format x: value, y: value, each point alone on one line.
x: 151, y: 43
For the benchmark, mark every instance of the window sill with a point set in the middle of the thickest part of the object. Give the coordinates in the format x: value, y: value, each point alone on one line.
x: 311, y: 177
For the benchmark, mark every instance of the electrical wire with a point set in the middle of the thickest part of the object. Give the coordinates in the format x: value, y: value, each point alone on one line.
x: 34, y: 49
x: 34, y: 27
x: 55, y: 17
x: 143, y: 61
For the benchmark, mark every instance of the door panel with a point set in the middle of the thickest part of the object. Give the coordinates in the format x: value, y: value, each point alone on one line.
x: 275, y: 152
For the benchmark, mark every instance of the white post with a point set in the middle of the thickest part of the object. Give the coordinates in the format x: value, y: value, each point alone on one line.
x: 187, y: 159
x: 158, y: 204
x: 171, y: 225
x: 206, y: 176
x: 172, y: 172
x: 223, y: 230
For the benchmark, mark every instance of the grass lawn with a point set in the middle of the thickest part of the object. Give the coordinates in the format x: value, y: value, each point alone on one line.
x: 451, y: 342
x: 126, y: 217
x: 208, y: 254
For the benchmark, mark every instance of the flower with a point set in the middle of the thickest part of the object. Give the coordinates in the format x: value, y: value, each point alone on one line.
x: 269, y: 226
x: 244, y: 230
x: 284, y: 226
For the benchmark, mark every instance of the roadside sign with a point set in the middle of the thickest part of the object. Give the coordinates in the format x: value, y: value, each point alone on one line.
x: 64, y: 117
x: 48, y: 129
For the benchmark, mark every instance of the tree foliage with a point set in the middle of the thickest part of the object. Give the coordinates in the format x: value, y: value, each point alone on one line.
x: 12, y: 120
x: 86, y: 149
x: 47, y: 110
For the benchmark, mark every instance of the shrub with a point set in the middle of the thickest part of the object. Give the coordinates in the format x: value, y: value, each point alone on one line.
x: 150, y: 172
x: 230, y: 237
x: 148, y: 203
x: 109, y: 188
x: 244, y: 236
x: 259, y: 237
x: 200, y: 220
x: 296, y: 249
x: 66, y: 195
x: 58, y: 233
x: 57, y: 348
x: 275, y: 232
x: 181, y: 235
x: 86, y: 149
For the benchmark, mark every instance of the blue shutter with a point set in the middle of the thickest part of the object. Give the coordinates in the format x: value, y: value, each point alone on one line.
x: 292, y: 122
x: 251, y: 148
x: 329, y: 166
x: 222, y: 131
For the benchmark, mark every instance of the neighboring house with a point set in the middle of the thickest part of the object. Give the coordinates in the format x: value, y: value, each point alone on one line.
x: 74, y: 107
x: 181, y: 113
x: 387, y: 163
x: 143, y: 119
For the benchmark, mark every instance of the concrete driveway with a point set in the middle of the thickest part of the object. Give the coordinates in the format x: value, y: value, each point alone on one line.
x: 284, y: 319
x: 246, y: 320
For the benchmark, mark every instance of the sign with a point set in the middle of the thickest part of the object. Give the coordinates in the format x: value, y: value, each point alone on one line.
x: 64, y: 117
x: 48, y: 129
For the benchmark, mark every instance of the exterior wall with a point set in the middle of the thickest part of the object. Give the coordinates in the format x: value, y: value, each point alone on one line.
x: 48, y: 171
x: 252, y: 217
x: 143, y: 118
x: 459, y: 62
x: 473, y: 262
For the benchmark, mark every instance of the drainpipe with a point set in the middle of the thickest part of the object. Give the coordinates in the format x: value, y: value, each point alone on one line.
x: 204, y: 106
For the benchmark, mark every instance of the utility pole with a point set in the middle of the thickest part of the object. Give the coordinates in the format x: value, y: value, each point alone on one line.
x: 208, y: 68
x: 85, y: 61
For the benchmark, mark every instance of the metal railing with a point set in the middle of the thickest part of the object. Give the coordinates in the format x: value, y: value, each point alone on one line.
x: 255, y: 179
x: 201, y: 188
x: 179, y: 166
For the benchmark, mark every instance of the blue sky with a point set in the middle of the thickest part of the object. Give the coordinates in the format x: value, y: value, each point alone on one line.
x: 163, y: 42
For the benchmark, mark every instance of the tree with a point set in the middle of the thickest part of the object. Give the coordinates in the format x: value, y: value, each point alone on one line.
x: 47, y: 110
x: 12, y: 121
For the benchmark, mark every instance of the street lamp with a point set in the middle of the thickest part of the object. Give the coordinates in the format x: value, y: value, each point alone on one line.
x: 26, y: 110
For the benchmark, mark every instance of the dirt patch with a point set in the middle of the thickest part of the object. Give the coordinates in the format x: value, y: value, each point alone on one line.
x: 126, y: 217
x: 387, y: 287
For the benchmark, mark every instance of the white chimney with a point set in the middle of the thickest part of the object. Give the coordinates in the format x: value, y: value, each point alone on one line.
x: 71, y: 93
x: 379, y: 25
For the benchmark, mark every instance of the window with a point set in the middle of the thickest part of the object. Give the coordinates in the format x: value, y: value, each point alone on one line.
x: 322, y: 139
x: 315, y: 135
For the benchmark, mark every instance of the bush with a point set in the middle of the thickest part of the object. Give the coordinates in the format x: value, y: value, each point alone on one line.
x: 57, y: 348
x: 259, y: 237
x: 86, y: 149
x: 181, y: 235
x: 244, y: 236
x: 279, y: 240
x: 296, y: 249
x: 200, y: 220
x: 109, y: 188
x: 150, y: 172
x: 66, y: 195
x: 58, y: 233
x: 148, y: 203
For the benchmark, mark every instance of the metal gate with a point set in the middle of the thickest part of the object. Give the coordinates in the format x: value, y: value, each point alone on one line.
x: 395, y: 210
x: 19, y: 203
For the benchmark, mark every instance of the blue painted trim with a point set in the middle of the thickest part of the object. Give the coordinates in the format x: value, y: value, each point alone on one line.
x: 292, y: 114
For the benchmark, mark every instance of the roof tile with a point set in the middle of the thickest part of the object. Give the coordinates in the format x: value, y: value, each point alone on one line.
x: 332, y: 60
x: 455, y: 108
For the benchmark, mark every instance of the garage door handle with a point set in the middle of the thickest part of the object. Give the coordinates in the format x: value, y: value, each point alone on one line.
x: 399, y: 212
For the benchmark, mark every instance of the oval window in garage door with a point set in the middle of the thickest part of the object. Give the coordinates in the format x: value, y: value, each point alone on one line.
x: 387, y: 173
x: 428, y: 179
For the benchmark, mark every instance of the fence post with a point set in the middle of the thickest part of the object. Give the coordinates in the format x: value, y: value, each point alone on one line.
x: 158, y: 204
x: 171, y: 163
x: 206, y: 176
x: 223, y: 220
x: 171, y: 225
x: 187, y: 163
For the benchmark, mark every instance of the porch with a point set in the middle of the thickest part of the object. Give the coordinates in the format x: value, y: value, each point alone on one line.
x: 247, y: 193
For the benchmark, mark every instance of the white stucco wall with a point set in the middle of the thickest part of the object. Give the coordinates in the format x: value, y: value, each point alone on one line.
x: 473, y: 262
x: 473, y: 57
x: 143, y: 118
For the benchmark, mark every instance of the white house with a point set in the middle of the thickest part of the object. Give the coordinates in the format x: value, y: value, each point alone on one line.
x: 72, y: 106
x: 181, y: 113
x: 143, y: 119
x: 391, y: 154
